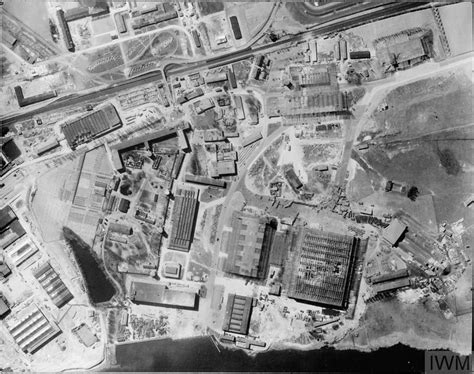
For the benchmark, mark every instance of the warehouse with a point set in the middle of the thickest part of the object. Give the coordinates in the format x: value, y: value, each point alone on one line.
x: 11, y: 233
x: 321, y: 268
x: 231, y: 78
x: 91, y: 125
x: 237, y: 314
x: 6, y: 217
x: 391, y: 286
x: 394, y: 232
x: 239, y: 107
x: 183, y: 218
x: 120, y: 22
x: 248, y: 246
x: 85, y: 335
x: 65, y: 30
x: 158, y: 294
x: 393, y: 275
x: 199, y: 179
x: 32, y: 330
x: 53, y: 285
x: 19, y: 254
x: 124, y: 205
x: 47, y: 146
x: 25, y: 101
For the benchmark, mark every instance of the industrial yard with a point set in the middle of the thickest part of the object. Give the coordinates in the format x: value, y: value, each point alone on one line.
x: 272, y: 176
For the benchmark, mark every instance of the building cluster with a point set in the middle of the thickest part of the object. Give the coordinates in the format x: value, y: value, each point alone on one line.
x: 152, y: 15
x: 404, y: 49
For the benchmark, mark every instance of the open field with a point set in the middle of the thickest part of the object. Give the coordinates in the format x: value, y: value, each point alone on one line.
x: 424, y: 107
x: 419, y: 164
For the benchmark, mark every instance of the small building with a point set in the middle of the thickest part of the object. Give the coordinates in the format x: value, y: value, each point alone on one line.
x: 343, y: 49
x: 226, y: 167
x: 231, y: 78
x: 4, y: 270
x: 47, y: 146
x: 4, y: 308
x: 293, y: 179
x: 85, y: 335
x: 238, y: 313
x: 199, y: 179
x: 239, y: 107
x: 234, y: 22
x: 251, y: 139
x: 391, y: 286
x: 394, y: 232
x: 322, y: 168
x: 275, y: 290
x: 120, y: 22
x: 124, y: 205
x: 172, y: 270
x: 393, y: 275
x: 21, y: 253
x: 120, y: 228
x: 216, y: 78
x: 357, y: 55
x: 204, y: 105
x: 197, y: 39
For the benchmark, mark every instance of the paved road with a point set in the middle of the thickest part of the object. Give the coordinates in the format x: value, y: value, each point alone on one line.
x: 384, y: 11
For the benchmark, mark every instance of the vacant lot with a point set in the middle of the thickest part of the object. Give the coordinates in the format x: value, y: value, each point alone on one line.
x: 424, y: 107
x: 420, y: 165
x: 207, y: 7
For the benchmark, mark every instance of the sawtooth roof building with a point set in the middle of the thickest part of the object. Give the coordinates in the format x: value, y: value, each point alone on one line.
x: 91, y: 125
x: 321, y: 268
x: 53, y: 285
x: 237, y: 315
x: 32, y: 330
x: 184, y: 214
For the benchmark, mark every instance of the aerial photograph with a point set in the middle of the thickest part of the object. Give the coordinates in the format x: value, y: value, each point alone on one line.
x: 240, y: 186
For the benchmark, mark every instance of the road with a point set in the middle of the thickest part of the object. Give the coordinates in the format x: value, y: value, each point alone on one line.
x: 385, y: 11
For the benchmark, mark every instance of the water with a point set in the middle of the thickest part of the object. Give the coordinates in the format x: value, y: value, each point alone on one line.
x: 200, y: 354
x: 99, y: 287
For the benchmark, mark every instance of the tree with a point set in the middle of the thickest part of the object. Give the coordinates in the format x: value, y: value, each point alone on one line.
x: 413, y: 193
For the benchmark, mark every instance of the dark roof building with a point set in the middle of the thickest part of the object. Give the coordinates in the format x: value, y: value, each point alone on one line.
x: 248, y: 246
x: 321, y: 268
x: 158, y: 294
x: 184, y: 218
x: 10, y: 150
x: 391, y: 286
x: 53, y: 285
x: 359, y: 55
x: 11, y: 233
x: 32, y: 330
x: 6, y: 217
x: 91, y: 125
x: 237, y: 315
x: 234, y: 22
x: 124, y: 205
x: 4, y: 270
x: 293, y: 179
x: 4, y: 308
x: 199, y: 179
